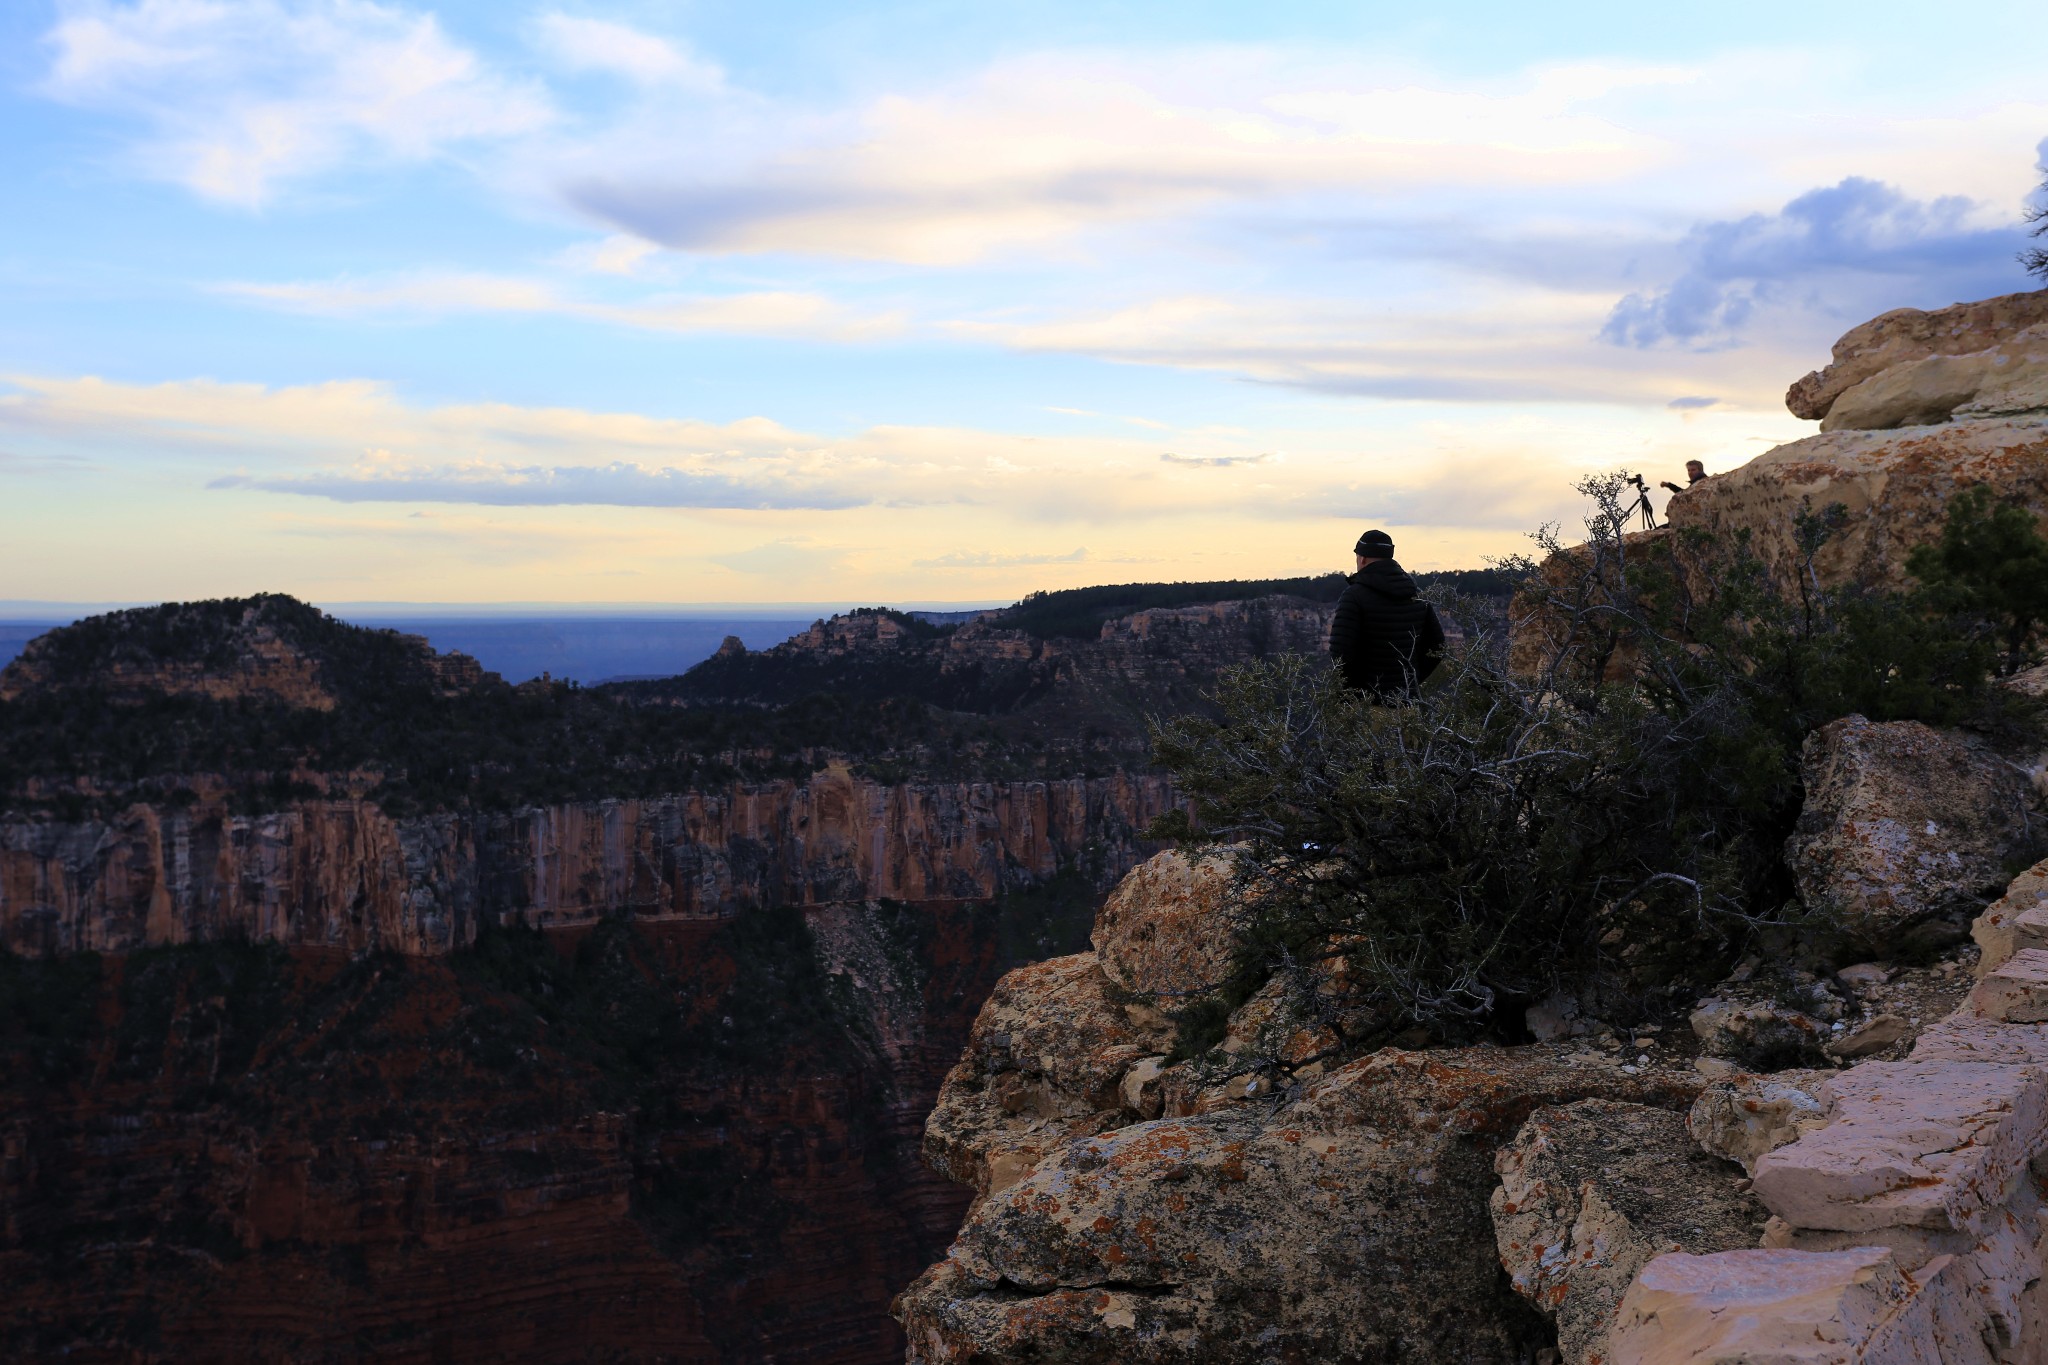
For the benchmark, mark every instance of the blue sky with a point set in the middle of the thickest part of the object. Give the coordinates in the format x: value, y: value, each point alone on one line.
x: 710, y: 302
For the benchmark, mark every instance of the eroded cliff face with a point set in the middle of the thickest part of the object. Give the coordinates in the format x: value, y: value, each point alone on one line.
x: 344, y: 874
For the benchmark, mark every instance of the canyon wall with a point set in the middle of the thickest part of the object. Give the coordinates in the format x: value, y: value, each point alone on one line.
x: 680, y: 1142
x: 344, y: 874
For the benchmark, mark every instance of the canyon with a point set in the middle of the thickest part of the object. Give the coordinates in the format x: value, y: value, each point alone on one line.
x: 351, y: 1009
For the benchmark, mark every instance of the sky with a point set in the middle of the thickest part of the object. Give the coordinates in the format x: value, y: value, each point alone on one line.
x: 926, y: 302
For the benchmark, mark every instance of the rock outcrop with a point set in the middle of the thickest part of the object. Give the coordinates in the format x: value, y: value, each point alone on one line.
x: 1907, y: 831
x: 1130, y: 1209
x: 1906, y: 1212
x: 1348, y: 1223
x: 1895, y: 486
x: 1906, y: 338
x: 342, y: 873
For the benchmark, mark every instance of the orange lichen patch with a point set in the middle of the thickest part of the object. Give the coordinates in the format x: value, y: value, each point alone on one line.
x: 1105, y: 1224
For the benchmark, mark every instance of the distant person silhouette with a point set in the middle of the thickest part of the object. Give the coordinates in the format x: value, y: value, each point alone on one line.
x: 1384, y: 637
x: 1694, y: 472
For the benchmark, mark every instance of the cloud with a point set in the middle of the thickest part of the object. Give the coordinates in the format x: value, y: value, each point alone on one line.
x: 239, y: 96
x: 1039, y: 147
x: 356, y: 442
x: 419, y: 296
x: 499, y: 485
x: 584, y: 44
x: 1843, y: 244
x: 1691, y: 403
x: 1214, y: 461
x: 1509, y: 345
x: 988, y: 559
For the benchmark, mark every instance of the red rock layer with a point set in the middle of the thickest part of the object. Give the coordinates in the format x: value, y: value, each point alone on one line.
x: 338, y: 873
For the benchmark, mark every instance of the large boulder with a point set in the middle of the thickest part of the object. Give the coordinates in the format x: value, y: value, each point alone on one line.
x: 1907, y: 831
x: 1046, y: 1060
x: 1165, y: 931
x: 1744, y: 1116
x: 1348, y: 1223
x: 1908, y: 335
x: 1590, y: 1193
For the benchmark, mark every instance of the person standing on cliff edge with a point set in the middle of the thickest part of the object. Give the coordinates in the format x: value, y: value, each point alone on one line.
x: 1384, y: 637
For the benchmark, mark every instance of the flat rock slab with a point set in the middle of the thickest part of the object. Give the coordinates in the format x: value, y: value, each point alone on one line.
x: 2017, y: 920
x: 1910, y: 1144
x: 1966, y: 1036
x: 1852, y: 1307
x: 2015, y: 991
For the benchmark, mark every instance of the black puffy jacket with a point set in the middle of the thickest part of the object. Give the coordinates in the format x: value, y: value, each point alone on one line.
x: 1383, y: 636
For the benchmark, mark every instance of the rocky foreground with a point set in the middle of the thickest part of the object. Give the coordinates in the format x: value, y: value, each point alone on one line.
x: 1834, y: 1166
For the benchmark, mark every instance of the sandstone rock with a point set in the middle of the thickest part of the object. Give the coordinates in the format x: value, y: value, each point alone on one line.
x: 1967, y: 1037
x: 2016, y: 991
x: 1589, y: 1193
x: 1929, y: 391
x: 1864, y: 974
x: 1907, y: 831
x: 1894, y: 485
x: 1910, y: 1144
x: 1046, y: 1060
x: 1347, y: 1224
x: 1166, y: 928
x: 1999, y: 1264
x: 1874, y: 1034
x: 1762, y: 1032
x: 2017, y: 920
x: 1764, y: 1307
x: 1905, y: 335
x: 1140, y: 1087
x: 1741, y: 1117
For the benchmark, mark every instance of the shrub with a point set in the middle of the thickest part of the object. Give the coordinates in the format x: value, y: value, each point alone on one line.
x: 1606, y: 818
x: 1991, y: 561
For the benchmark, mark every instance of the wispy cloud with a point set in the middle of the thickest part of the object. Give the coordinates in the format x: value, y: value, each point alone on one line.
x: 500, y: 485
x: 236, y: 97
x: 580, y: 43
x: 1035, y: 148
x: 1216, y: 461
x: 990, y: 559
x: 432, y: 295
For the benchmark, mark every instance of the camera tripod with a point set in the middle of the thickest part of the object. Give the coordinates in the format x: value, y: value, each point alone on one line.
x: 1641, y: 506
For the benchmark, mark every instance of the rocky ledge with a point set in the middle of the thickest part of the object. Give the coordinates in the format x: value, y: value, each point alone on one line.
x: 1833, y: 1167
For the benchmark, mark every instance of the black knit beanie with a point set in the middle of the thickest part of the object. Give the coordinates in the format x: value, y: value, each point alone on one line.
x: 1375, y: 545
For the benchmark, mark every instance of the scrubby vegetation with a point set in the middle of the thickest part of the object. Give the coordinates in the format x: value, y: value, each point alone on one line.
x: 1603, y: 818
x: 1079, y: 613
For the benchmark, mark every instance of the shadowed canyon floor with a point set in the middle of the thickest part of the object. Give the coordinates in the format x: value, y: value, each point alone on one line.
x: 687, y: 1142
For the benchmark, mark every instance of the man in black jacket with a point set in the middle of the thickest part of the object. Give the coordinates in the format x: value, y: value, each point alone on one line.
x: 1384, y: 637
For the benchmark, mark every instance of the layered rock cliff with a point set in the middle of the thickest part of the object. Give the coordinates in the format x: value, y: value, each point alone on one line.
x: 345, y: 874
x: 353, y: 1003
